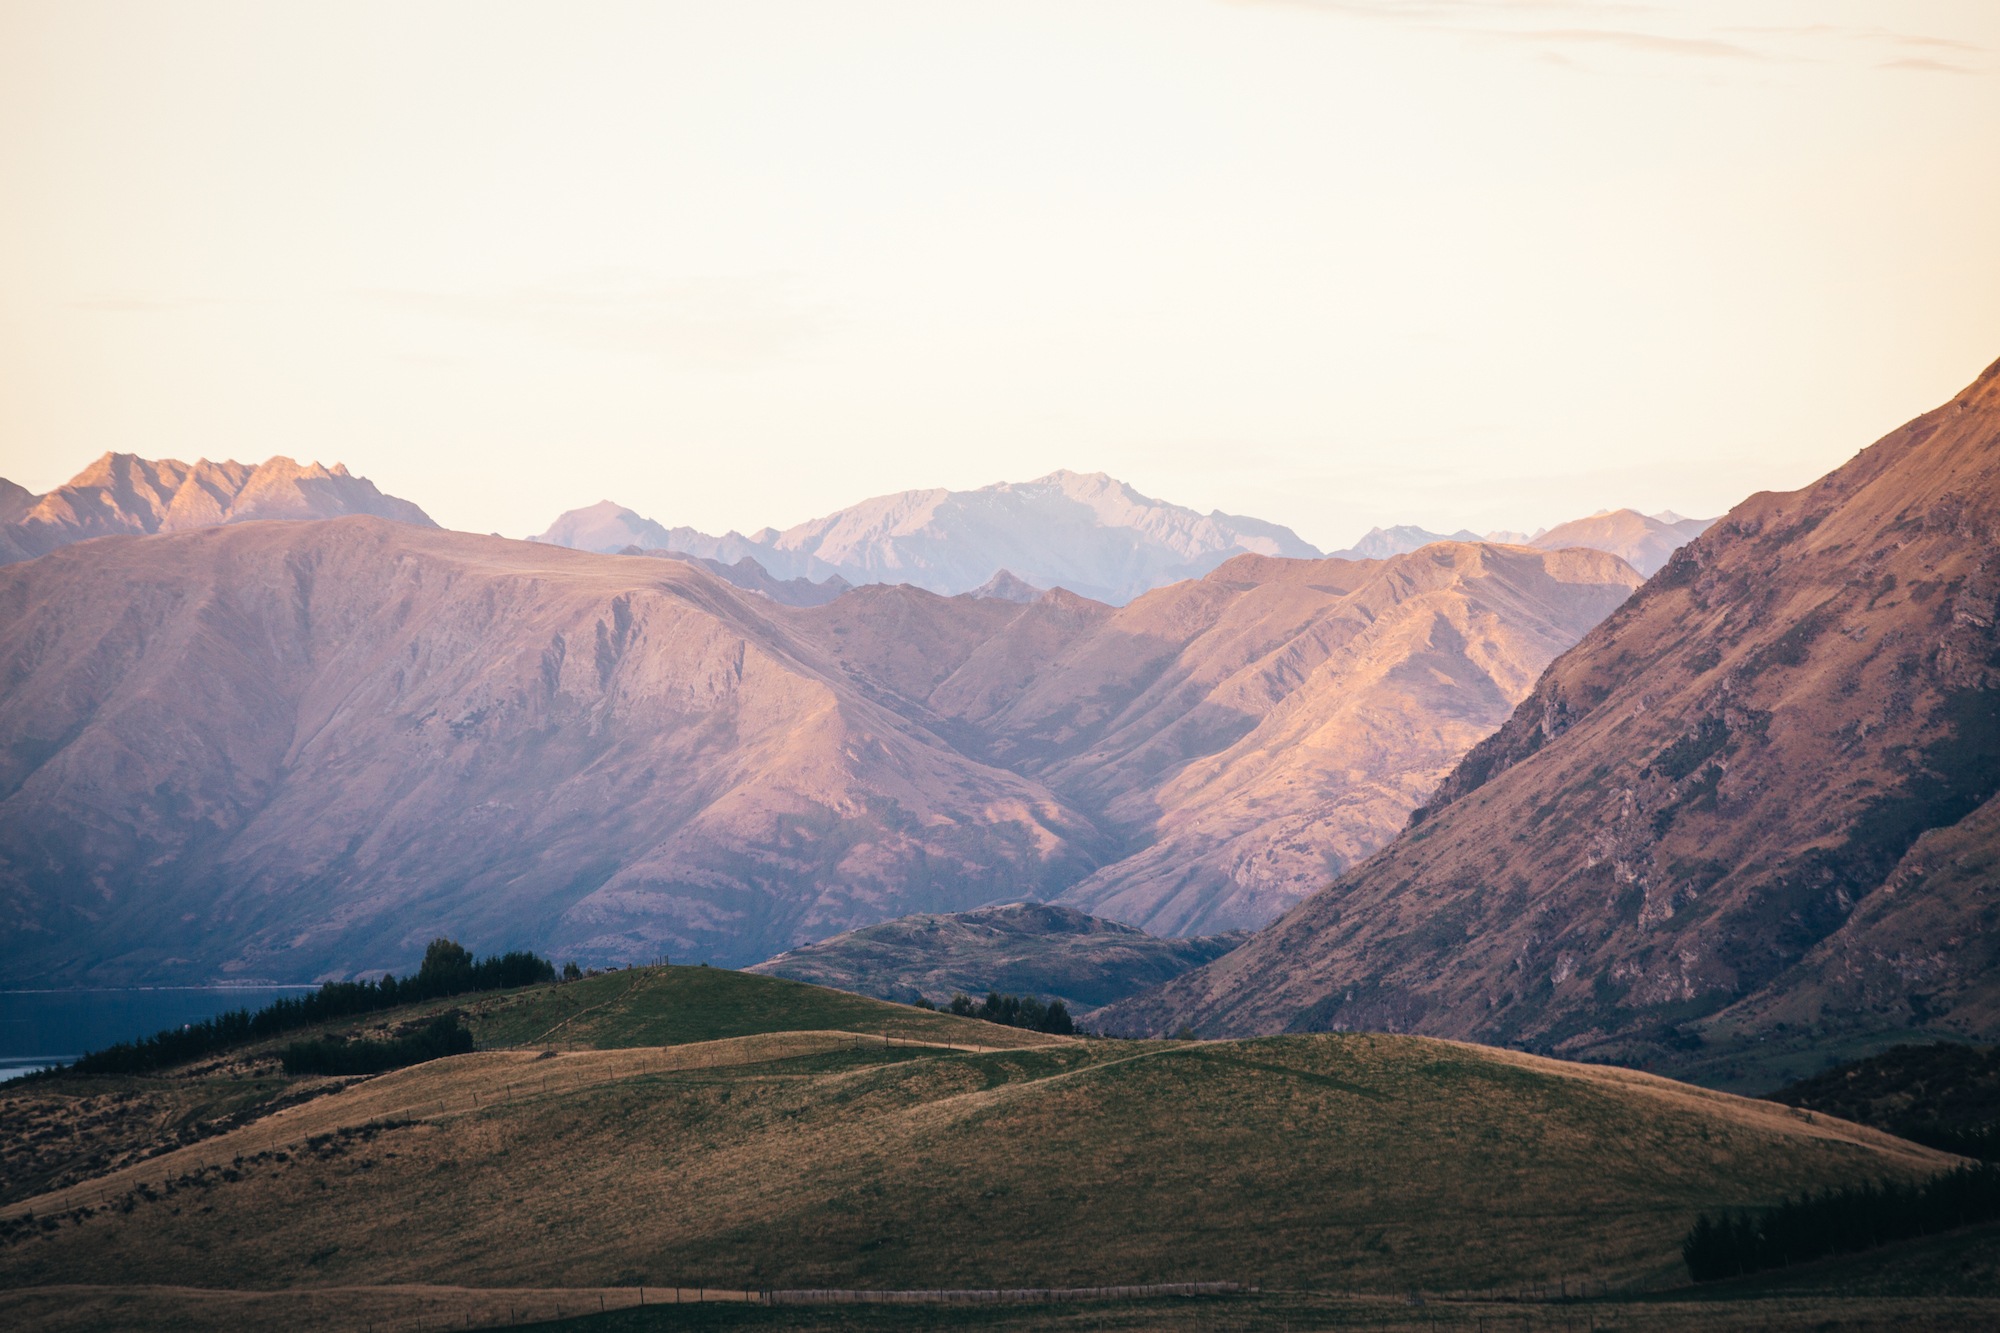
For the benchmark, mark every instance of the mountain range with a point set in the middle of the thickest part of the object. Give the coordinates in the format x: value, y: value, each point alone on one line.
x: 122, y: 494
x: 301, y: 749
x: 1750, y: 817
x: 1086, y: 532
x: 1643, y: 541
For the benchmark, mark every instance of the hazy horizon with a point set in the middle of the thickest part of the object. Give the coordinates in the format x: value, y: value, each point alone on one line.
x: 1330, y: 264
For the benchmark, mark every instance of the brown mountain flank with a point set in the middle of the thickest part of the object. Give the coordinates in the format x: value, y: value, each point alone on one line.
x: 1258, y: 730
x: 282, y: 748
x: 123, y: 494
x: 305, y: 748
x: 1752, y: 812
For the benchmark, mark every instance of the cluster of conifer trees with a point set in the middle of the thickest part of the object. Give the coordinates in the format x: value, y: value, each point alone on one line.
x: 1839, y: 1222
x: 1015, y: 1011
x: 440, y: 1037
x: 448, y: 969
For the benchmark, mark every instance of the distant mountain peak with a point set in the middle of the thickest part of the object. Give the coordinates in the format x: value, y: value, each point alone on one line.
x: 124, y: 494
x: 1086, y: 531
x: 1005, y: 586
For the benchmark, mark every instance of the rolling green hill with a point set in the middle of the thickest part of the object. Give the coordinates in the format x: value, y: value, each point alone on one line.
x: 688, y: 1125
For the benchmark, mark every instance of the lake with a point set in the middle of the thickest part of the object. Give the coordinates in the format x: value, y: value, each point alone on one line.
x: 39, y: 1028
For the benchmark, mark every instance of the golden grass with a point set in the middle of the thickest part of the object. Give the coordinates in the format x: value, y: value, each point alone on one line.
x: 820, y: 1159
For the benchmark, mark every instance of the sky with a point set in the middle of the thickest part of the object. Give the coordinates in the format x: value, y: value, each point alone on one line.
x: 1331, y: 263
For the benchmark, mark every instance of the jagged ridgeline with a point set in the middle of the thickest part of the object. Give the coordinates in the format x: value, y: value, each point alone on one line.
x: 448, y: 969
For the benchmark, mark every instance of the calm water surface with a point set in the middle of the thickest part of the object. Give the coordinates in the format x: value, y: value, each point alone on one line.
x: 39, y: 1028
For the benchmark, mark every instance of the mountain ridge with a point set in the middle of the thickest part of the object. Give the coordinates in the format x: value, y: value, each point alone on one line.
x: 1088, y: 532
x: 268, y: 749
x: 1734, y: 821
x: 123, y: 494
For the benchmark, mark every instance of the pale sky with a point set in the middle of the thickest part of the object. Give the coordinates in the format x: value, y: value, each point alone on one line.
x: 1331, y: 263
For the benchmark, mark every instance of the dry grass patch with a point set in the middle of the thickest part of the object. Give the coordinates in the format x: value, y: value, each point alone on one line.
x: 1332, y: 1162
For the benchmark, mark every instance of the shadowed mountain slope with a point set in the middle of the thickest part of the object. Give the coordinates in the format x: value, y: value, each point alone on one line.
x: 1040, y: 949
x: 1750, y: 813
x: 123, y: 495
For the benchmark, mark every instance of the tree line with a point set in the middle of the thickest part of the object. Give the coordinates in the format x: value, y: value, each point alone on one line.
x: 448, y: 969
x: 1842, y: 1221
x: 1014, y: 1011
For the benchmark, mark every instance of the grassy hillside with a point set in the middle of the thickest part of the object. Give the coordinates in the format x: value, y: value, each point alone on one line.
x: 669, y: 1006
x: 692, y: 1126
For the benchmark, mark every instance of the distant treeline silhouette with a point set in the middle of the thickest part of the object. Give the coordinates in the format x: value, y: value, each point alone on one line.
x: 1015, y: 1011
x: 448, y: 969
x: 440, y: 1037
x: 1839, y: 1222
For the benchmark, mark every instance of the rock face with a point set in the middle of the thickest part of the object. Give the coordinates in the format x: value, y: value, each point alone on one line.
x: 1018, y: 949
x: 1089, y: 533
x: 122, y: 494
x: 1640, y: 541
x: 1750, y: 812
x: 293, y: 750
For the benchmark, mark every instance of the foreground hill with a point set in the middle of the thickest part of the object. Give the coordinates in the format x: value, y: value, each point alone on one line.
x: 1749, y: 813
x: 121, y: 494
x: 1041, y: 949
x: 680, y: 1126
x: 301, y: 749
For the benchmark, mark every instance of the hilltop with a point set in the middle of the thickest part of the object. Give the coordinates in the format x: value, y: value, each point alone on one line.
x: 1745, y: 822
x: 1042, y: 949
